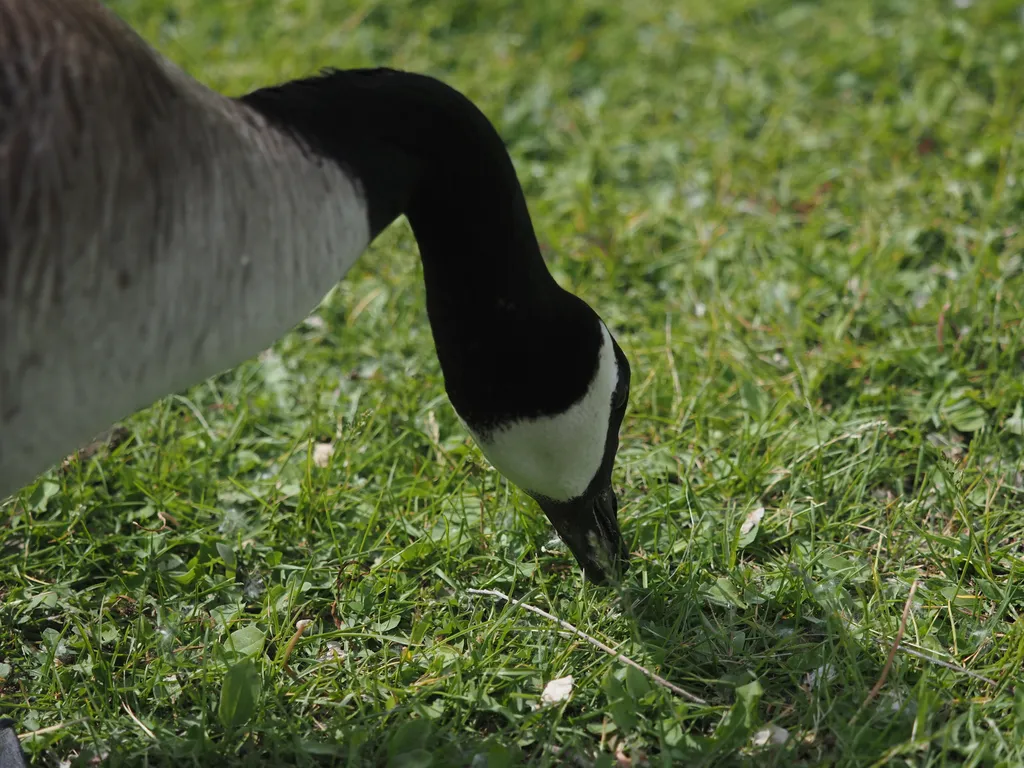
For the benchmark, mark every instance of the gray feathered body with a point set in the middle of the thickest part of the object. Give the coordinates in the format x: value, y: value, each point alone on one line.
x: 152, y: 232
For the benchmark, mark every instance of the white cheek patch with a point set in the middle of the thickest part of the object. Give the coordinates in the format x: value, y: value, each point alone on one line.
x: 558, y: 456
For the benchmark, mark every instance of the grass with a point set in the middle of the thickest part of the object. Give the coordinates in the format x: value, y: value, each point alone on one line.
x: 802, y: 222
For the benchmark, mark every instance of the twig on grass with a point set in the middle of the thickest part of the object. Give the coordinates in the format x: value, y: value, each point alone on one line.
x: 592, y: 640
x: 49, y: 729
x: 142, y: 725
x: 892, y: 654
x: 300, y: 627
x: 947, y: 665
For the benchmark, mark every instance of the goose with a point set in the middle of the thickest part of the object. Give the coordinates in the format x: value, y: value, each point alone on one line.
x: 11, y: 755
x: 154, y: 233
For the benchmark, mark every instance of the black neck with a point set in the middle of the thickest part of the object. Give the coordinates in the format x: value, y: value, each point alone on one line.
x: 420, y: 148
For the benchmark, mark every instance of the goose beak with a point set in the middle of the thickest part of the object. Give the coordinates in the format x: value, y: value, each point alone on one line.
x: 589, y: 525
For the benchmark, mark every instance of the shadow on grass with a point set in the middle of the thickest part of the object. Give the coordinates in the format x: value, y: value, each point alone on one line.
x: 782, y: 652
x: 276, y: 744
x: 799, y: 669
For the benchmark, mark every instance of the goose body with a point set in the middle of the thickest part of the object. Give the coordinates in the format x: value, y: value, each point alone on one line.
x: 154, y: 233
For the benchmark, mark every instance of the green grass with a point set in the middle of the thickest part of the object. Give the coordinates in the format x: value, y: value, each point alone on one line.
x: 802, y: 222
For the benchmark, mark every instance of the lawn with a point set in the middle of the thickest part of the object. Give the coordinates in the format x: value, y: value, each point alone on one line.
x: 801, y: 220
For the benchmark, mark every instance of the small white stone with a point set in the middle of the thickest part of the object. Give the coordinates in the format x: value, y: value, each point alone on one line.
x: 773, y: 735
x: 557, y: 690
x: 322, y: 453
x: 822, y: 674
x: 753, y: 518
x: 334, y: 652
x: 315, y: 322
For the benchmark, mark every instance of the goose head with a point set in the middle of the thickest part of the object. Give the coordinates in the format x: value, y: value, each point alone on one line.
x: 545, y: 411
